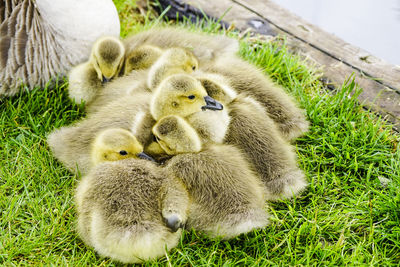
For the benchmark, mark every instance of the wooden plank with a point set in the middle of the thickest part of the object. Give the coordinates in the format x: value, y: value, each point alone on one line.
x: 379, y: 98
x: 338, y: 58
x: 353, y: 56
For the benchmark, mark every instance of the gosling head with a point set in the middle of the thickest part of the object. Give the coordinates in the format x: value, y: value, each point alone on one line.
x: 172, y: 61
x: 180, y: 57
x: 142, y: 57
x: 217, y: 86
x: 116, y: 144
x: 182, y: 95
x: 107, y: 57
x: 175, y: 136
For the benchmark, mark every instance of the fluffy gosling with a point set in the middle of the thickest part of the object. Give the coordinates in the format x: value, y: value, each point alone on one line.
x: 130, y: 210
x: 105, y: 62
x: 227, y: 197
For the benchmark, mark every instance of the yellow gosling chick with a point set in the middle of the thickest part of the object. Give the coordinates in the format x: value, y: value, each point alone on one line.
x: 130, y: 210
x: 116, y: 144
x: 72, y: 144
x: 183, y: 95
x: 227, y: 197
x: 143, y: 57
x: 172, y: 61
x: 105, y: 62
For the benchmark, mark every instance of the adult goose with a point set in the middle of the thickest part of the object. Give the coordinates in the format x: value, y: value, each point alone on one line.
x: 42, y: 39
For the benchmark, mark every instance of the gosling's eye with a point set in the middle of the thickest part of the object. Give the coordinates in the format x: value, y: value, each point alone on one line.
x: 193, y: 67
x: 123, y: 153
x: 191, y: 97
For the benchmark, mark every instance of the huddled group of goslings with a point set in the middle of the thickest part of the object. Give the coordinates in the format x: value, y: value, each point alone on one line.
x: 180, y: 133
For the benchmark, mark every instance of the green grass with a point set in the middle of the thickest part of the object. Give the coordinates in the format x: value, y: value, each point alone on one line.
x: 346, y: 217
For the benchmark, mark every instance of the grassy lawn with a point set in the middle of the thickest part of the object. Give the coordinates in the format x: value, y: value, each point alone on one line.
x: 350, y: 214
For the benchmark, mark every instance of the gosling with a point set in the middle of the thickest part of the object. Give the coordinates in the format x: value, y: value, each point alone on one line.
x: 141, y: 58
x: 257, y: 135
x: 105, y: 62
x: 130, y: 210
x: 116, y: 144
x: 185, y: 96
x: 227, y: 197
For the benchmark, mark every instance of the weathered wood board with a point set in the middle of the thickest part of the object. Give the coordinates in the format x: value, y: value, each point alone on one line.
x: 380, y: 80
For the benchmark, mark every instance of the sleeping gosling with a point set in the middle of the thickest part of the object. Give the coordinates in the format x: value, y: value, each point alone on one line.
x: 227, y: 197
x: 105, y: 62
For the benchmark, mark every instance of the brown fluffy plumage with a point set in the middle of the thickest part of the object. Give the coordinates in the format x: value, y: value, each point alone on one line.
x: 130, y: 210
x: 271, y: 156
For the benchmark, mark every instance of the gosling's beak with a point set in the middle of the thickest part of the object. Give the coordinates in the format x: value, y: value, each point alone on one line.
x: 173, y: 222
x: 212, y: 104
x: 143, y: 155
x: 105, y: 79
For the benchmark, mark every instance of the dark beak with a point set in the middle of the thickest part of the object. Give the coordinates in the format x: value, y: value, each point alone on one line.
x: 212, y: 104
x: 143, y: 155
x: 106, y: 80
